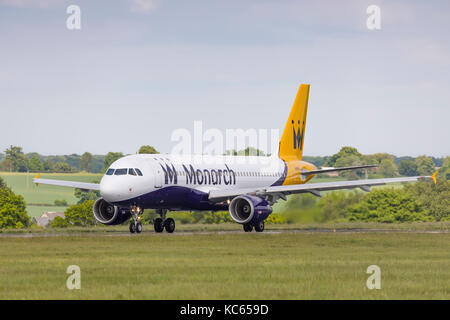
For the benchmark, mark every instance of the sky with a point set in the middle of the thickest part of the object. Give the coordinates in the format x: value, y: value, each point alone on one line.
x: 138, y: 70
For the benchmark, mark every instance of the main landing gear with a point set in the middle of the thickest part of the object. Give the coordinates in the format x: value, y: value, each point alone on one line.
x: 136, y: 225
x: 162, y: 223
x: 259, y: 227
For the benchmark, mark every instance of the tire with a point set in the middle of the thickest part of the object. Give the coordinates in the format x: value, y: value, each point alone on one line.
x: 169, y: 224
x: 132, y: 227
x: 138, y: 227
x: 248, y: 227
x: 259, y: 227
x: 159, y: 225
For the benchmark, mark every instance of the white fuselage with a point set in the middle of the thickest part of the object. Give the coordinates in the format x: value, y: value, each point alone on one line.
x: 200, y: 173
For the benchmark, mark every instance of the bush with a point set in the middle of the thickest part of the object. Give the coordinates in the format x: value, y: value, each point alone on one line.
x: 388, y: 205
x: 276, y: 218
x: 13, y: 212
x: 334, y: 206
x: 59, y: 222
x: 301, y: 201
x: 80, y: 214
x: 434, y: 197
x: 60, y: 203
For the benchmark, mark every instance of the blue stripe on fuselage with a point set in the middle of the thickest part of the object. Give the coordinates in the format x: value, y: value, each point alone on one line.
x: 173, y: 197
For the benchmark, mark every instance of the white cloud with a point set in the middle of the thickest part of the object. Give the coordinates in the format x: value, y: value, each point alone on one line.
x: 144, y: 6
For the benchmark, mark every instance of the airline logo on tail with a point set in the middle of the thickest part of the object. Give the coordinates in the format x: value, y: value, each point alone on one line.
x: 298, y: 136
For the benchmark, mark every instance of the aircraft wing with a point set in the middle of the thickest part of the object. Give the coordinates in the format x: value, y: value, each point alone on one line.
x: 70, y: 184
x: 314, y: 188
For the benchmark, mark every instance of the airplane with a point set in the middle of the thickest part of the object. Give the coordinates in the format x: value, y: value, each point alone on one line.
x: 242, y: 185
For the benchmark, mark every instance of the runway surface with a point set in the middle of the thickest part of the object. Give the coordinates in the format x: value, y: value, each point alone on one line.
x: 192, y: 233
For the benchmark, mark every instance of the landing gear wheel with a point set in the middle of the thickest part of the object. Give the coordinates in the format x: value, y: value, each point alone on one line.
x: 138, y: 227
x: 248, y: 227
x: 132, y: 227
x: 259, y: 227
x: 169, y: 224
x: 159, y: 225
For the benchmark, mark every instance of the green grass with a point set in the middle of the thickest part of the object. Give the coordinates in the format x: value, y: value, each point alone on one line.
x: 227, y: 266
x: 22, y: 183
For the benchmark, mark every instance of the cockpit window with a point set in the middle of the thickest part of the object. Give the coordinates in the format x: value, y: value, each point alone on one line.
x: 131, y: 172
x: 138, y: 172
x: 120, y: 172
x: 110, y: 172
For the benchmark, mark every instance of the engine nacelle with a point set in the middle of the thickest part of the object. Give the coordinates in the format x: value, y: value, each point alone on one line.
x: 109, y: 214
x: 249, y: 209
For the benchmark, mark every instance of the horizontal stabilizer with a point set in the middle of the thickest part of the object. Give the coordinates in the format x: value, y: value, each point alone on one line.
x: 367, y: 166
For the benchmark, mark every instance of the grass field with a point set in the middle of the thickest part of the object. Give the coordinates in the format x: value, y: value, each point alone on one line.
x: 227, y: 266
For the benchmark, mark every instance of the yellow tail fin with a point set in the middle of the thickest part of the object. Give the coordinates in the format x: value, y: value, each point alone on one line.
x: 291, y: 143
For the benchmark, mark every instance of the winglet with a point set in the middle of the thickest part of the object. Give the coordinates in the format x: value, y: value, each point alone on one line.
x: 37, y: 177
x: 434, y: 176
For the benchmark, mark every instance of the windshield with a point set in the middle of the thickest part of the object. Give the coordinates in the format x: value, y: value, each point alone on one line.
x: 120, y: 172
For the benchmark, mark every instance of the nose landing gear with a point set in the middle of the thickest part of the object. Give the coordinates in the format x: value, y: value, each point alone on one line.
x: 162, y: 223
x: 136, y: 225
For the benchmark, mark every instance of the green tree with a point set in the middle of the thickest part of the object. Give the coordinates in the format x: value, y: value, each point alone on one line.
x: 249, y: 151
x: 80, y: 214
x: 59, y: 222
x: 63, y: 167
x: 425, y: 165
x: 334, y: 206
x: 86, y: 162
x: 60, y: 203
x: 7, y: 165
x: 434, y: 197
x: 17, y: 159
x: 347, y: 161
x: 110, y: 158
x: 147, y: 150
x: 48, y: 166
x: 388, y: 205
x: 35, y: 164
x: 444, y: 171
x: 388, y: 168
x: 408, y: 168
x: 13, y: 212
x: 84, y: 196
x: 301, y: 201
x: 344, y: 152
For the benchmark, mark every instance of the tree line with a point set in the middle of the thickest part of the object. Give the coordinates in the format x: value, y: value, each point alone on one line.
x: 15, y: 160
x: 388, y: 164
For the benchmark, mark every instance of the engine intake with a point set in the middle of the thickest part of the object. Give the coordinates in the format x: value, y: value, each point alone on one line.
x: 109, y: 214
x: 249, y: 209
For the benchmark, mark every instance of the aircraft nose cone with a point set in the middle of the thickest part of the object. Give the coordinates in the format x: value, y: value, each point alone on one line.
x: 107, y: 191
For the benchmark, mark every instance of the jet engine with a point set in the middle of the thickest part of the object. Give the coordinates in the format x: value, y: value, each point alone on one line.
x: 249, y: 209
x: 109, y: 214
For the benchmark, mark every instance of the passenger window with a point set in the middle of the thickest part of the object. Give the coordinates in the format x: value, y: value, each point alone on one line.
x: 138, y: 172
x: 131, y: 172
x: 110, y: 172
x: 120, y: 172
